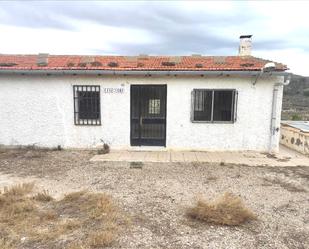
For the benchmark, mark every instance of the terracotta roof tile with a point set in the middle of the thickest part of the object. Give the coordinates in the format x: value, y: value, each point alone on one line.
x: 185, y: 63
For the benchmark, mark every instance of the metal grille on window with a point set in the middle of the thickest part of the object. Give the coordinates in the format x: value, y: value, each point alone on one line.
x: 154, y: 106
x: 87, y: 105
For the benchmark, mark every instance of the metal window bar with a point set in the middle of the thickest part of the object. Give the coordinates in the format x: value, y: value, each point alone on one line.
x: 212, y: 105
x: 87, y: 109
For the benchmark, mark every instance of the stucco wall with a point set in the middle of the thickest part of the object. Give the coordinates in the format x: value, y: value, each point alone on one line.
x: 39, y: 110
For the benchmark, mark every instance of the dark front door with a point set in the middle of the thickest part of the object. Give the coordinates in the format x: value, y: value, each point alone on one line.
x: 148, y: 115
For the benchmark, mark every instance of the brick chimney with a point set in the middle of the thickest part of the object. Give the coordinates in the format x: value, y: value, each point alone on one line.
x: 245, y: 45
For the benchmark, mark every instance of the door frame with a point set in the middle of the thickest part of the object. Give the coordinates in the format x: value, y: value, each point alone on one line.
x: 131, y: 109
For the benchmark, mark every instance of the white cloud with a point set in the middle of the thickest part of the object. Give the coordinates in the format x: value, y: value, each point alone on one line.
x: 279, y: 28
x: 90, y: 37
x: 296, y: 59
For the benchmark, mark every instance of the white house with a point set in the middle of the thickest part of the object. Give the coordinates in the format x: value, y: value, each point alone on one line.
x: 186, y: 102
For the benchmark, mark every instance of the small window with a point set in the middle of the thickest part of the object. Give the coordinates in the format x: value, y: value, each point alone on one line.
x: 87, y: 105
x: 214, y: 105
x: 154, y: 106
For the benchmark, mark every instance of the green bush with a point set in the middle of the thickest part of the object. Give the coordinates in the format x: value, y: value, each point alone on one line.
x: 306, y: 92
x: 296, y: 117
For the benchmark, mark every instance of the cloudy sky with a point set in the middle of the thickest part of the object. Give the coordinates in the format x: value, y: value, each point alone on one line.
x: 280, y: 29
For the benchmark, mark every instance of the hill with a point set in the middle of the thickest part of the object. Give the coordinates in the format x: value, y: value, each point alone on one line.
x: 295, y: 101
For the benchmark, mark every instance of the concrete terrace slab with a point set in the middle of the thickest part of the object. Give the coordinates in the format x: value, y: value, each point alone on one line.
x: 286, y: 157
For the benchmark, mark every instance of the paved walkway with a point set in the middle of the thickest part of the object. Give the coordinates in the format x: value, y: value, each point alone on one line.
x: 286, y: 157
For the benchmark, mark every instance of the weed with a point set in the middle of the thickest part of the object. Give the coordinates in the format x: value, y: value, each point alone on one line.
x: 4, y: 244
x: 79, y: 220
x: 105, y: 148
x: 43, y: 196
x: 48, y: 215
x: 19, y: 189
x: 73, y: 196
x: 136, y: 165
x: 101, y: 239
x: 227, y: 210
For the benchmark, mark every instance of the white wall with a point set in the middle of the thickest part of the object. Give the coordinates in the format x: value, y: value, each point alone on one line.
x: 39, y: 110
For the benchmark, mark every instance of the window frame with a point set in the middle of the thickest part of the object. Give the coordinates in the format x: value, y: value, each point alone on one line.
x: 76, y: 98
x: 234, y: 105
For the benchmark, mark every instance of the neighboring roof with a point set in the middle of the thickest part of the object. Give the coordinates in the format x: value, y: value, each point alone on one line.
x: 135, y: 63
x: 300, y: 125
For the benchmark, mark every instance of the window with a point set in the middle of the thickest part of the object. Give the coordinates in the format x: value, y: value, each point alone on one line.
x: 214, y: 105
x: 154, y: 106
x: 87, y: 105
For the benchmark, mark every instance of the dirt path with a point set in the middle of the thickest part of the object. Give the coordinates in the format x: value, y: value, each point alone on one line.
x: 156, y: 196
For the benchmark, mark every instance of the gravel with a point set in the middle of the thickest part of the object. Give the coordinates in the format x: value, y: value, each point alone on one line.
x: 155, y: 197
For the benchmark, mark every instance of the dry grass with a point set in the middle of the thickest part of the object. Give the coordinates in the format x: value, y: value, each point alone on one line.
x: 79, y: 220
x: 19, y: 189
x: 101, y: 239
x: 43, y: 196
x: 226, y: 210
x: 5, y: 244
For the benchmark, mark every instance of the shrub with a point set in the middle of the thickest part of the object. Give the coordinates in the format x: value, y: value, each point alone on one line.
x: 306, y: 92
x: 227, y: 210
x: 296, y: 117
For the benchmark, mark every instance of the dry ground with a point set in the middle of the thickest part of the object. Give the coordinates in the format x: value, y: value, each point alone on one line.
x: 156, y: 197
x: 31, y: 219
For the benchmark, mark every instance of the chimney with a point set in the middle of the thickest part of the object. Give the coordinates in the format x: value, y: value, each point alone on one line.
x: 245, y: 45
x: 42, y: 60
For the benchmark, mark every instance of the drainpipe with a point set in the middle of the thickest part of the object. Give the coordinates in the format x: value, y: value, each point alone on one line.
x: 274, y: 126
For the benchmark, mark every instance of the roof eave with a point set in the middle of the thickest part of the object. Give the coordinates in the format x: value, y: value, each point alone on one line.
x: 139, y: 72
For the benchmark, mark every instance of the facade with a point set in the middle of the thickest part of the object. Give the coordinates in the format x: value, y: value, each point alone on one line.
x: 39, y: 110
x: 182, y: 103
